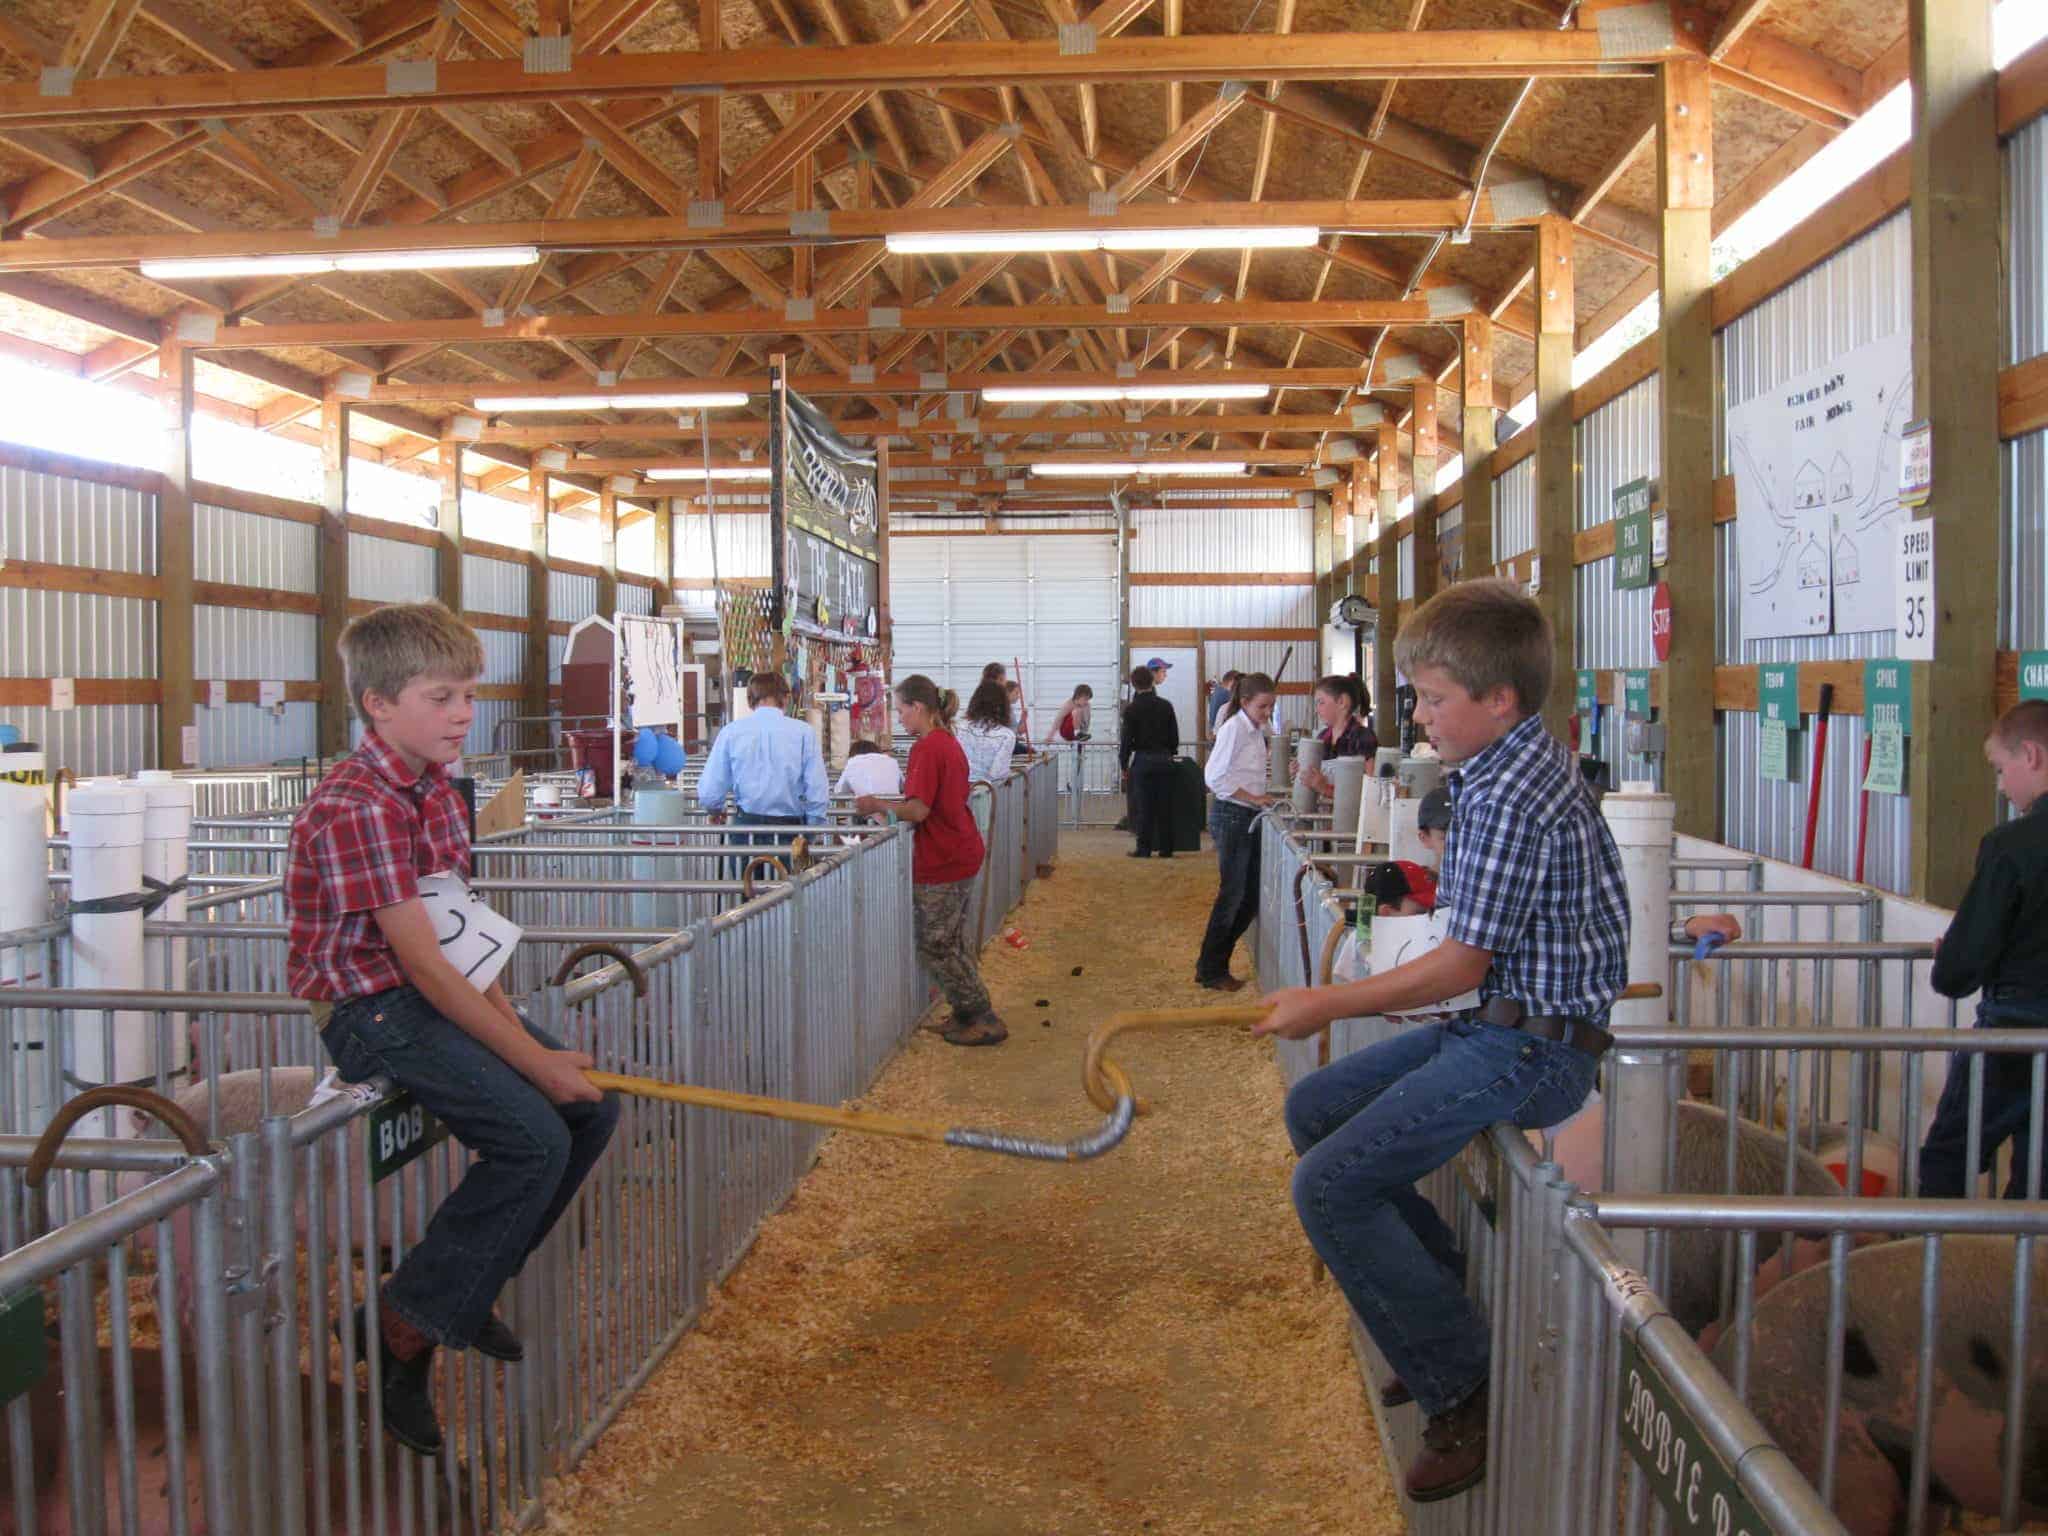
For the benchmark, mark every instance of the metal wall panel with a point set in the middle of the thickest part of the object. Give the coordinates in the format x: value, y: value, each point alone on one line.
x: 1858, y: 295
x: 244, y: 736
x: 1216, y: 539
x: 112, y: 739
x: 1223, y: 607
x: 389, y: 570
x: 60, y: 521
x: 1616, y: 444
x: 571, y: 595
x: 742, y: 539
x: 250, y: 551
x: 255, y: 642
x: 2023, y: 571
x: 1514, y: 511
x: 1404, y: 567
x: 1268, y: 656
x: 74, y: 634
x: 504, y: 655
x: 2026, y: 219
x: 494, y: 586
x: 482, y: 737
x: 634, y: 598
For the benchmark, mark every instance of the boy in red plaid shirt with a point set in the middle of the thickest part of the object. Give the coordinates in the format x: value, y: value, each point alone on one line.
x: 387, y: 1001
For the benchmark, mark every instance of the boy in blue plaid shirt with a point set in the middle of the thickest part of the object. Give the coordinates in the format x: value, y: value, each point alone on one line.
x: 1536, y: 919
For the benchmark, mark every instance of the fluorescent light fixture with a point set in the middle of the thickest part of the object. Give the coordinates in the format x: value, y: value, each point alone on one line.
x: 1066, y: 470
x: 499, y: 405
x: 716, y: 472
x: 309, y: 264
x: 1024, y: 241
x: 1040, y: 394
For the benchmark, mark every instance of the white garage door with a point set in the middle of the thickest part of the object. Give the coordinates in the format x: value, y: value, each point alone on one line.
x: 1048, y: 603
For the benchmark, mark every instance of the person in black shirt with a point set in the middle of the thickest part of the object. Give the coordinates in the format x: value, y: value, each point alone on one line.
x: 1146, y: 742
x: 1995, y: 947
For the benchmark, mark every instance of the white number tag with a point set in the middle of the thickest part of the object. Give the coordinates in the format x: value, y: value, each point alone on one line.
x: 474, y: 939
x: 1397, y: 940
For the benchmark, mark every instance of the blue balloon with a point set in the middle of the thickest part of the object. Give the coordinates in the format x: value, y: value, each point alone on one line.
x: 9, y: 735
x: 645, y: 747
x: 670, y: 756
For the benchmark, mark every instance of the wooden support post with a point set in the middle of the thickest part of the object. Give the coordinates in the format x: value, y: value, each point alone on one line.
x: 1685, y: 356
x: 1358, y: 493
x: 448, y: 526
x: 607, y: 551
x: 536, y: 678
x: 1325, y: 515
x: 710, y: 109
x: 335, y: 705
x: 1422, y: 432
x: 665, y: 552
x: 174, y: 558
x: 1957, y: 286
x: 1381, y: 683
x: 1556, y: 484
x: 882, y: 540
x: 1475, y: 542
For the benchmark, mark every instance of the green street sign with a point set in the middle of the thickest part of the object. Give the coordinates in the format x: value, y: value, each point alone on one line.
x: 2034, y: 674
x: 1685, y: 1473
x: 1632, y: 536
x: 400, y: 1130
x: 1888, y: 696
x: 1636, y: 698
x: 1777, y: 693
x: 24, y: 1346
x: 1589, y: 692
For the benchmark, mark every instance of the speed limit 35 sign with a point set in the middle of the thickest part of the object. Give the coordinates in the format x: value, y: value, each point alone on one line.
x: 1913, y: 591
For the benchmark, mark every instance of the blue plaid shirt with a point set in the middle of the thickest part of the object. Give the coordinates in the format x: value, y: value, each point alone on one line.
x: 1531, y: 874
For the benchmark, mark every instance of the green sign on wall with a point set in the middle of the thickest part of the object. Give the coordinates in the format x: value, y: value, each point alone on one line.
x: 2034, y: 674
x: 1777, y: 694
x: 1697, y: 1489
x: 1632, y: 536
x: 1589, y: 692
x: 1636, y: 699
x: 1888, y: 696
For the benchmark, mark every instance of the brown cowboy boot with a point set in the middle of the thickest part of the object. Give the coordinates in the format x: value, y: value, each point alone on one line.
x: 1453, y: 1452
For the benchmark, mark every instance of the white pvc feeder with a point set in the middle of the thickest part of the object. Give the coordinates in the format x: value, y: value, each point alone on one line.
x: 27, y: 1096
x: 1309, y: 755
x: 657, y: 808
x: 1638, y: 1112
x: 106, y: 818
x: 167, y: 859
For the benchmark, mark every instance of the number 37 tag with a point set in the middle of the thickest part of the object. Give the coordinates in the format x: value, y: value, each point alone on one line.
x: 474, y: 938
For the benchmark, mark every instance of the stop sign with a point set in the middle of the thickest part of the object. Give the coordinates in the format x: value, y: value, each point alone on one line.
x: 1660, y: 620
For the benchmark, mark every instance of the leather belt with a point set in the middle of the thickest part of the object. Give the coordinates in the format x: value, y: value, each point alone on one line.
x: 1567, y: 1029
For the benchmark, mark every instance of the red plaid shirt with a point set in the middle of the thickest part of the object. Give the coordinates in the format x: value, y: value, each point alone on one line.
x: 362, y: 841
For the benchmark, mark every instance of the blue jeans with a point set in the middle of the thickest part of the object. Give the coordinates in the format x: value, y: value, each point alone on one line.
x: 2003, y: 1115
x: 531, y: 1154
x: 1234, y: 829
x: 777, y: 843
x: 1367, y: 1127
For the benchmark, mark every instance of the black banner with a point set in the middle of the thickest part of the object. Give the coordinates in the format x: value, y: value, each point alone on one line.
x: 823, y: 511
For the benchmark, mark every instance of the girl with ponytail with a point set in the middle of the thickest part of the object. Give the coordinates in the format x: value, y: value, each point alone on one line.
x: 1340, y: 703
x: 1236, y: 776
x: 946, y: 855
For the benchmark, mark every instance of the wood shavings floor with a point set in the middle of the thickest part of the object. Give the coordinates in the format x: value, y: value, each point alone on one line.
x: 943, y: 1342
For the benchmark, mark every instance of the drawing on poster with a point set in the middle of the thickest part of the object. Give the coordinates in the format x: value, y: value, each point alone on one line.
x: 654, y: 668
x: 1816, y: 464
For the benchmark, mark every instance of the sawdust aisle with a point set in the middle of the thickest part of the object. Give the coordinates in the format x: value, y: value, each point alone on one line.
x: 937, y: 1341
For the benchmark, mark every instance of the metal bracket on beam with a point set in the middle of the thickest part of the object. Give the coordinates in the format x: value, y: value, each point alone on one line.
x: 1403, y: 366
x: 1529, y: 198
x: 1077, y: 37
x: 56, y: 81
x: 1101, y: 205
x: 995, y: 460
x: 1326, y: 477
x: 1368, y: 415
x: 1635, y: 29
x: 1230, y: 90
x: 465, y: 429
x: 696, y: 90
x: 810, y: 222
x: 552, y: 458
x: 411, y: 77
x: 352, y: 385
x: 1009, y: 130
x: 885, y: 319
x: 607, y: 378
x: 799, y: 309
x: 624, y: 484
x: 1117, y: 303
x: 547, y: 55
x: 906, y: 420
x: 928, y: 380
x: 861, y: 373
x: 942, y: 453
x: 201, y: 329
x: 494, y: 315
x: 326, y: 227
x: 1454, y: 300
x: 956, y: 407
x: 707, y: 215
x: 1343, y: 450
x: 1127, y: 370
x: 686, y: 421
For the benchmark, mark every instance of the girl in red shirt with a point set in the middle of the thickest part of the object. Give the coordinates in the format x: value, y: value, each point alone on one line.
x: 946, y: 856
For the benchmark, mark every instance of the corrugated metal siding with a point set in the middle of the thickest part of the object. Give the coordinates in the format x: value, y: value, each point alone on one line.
x: 1223, y: 539
x: 1266, y: 656
x: 1404, y: 567
x: 2023, y: 572
x: 634, y: 598
x: 1223, y: 607
x: 1616, y: 444
x: 1514, y: 511
x: 488, y: 713
x: 2026, y: 217
x: 742, y: 551
x: 72, y: 634
x: 250, y: 551
x: 571, y: 595
x: 1858, y: 295
x: 59, y: 521
x: 244, y: 736
x: 504, y: 655
x: 389, y: 570
x: 263, y: 644
x: 494, y: 586
x: 104, y: 739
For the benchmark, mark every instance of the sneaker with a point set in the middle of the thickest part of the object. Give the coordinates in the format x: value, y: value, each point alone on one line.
x: 1453, y: 1454
x: 1221, y: 983
x: 497, y: 1341
x: 986, y: 1030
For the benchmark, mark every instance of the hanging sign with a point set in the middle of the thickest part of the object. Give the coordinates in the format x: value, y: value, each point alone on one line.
x: 1916, y: 463
x: 2034, y: 674
x: 1887, y: 774
x: 824, y: 511
x: 1632, y: 539
x: 1588, y: 698
x: 1777, y: 694
x: 1660, y: 620
x: 1775, y: 759
x: 1913, y: 590
x: 1888, y: 696
x: 1636, y: 681
x: 63, y: 693
x: 1660, y: 540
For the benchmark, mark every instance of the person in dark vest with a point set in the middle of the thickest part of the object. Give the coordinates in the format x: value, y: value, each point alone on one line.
x: 1146, y: 742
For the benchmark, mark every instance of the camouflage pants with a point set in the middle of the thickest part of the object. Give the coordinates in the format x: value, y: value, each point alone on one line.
x: 945, y: 943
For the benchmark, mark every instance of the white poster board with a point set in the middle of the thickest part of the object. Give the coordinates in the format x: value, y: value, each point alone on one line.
x: 652, y: 650
x: 1816, y: 464
x: 1397, y: 940
x: 474, y: 938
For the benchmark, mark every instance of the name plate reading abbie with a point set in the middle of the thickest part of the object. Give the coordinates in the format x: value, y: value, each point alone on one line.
x: 1685, y: 1473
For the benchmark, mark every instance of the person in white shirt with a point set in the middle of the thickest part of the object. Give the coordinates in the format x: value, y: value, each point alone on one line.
x: 1236, y: 776
x: 986, y: 735
x: 869, y: 770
